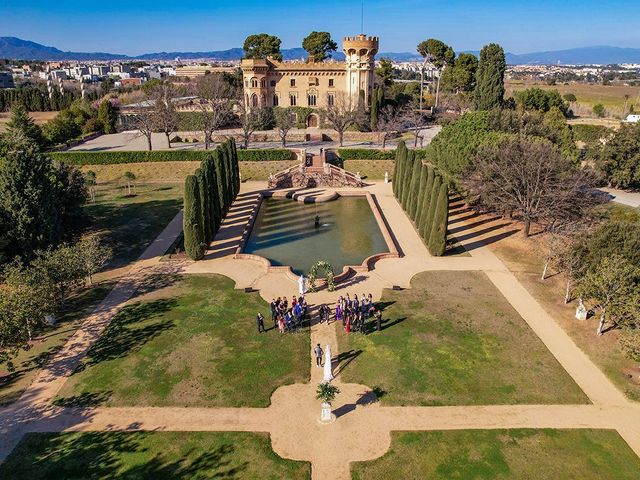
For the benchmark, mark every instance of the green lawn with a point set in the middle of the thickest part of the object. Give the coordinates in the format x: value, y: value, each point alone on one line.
x: 149, y: 456
x: 370, y: 169
x: 132, y: 223
x: 193, y: 343
x: 48, y: 341
x: 504, y: 454
x: 453, y: 339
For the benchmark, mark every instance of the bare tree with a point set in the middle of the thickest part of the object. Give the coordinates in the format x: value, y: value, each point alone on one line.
x: 532, y: 179
x: 388, y: 122
x: 413, y: 118
x: 144, y: 121
x: 251, y: 120
x: 215, y: 103
x: 342, y: 114
x: 285, y: 121
x: 164, y: 110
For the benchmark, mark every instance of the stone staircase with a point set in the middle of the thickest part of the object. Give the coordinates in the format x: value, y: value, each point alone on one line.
x: 314, y: 171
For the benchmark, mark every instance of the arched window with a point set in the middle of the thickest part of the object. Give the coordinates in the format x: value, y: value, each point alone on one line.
x: 311, y: 99
x: 330, y: 100
x: 262, y: 83
x: 254, y: 82
x: 292, y: 99
x: 254, y: 100
x: 275, y: 100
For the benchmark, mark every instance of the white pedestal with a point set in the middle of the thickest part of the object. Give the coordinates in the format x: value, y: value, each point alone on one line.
x: 326, y: 416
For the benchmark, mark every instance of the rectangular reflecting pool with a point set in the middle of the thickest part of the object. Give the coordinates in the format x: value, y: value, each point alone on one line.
x: 285, y: 233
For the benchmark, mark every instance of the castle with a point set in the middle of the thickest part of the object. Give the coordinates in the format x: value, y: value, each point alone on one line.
x: 270, y: 83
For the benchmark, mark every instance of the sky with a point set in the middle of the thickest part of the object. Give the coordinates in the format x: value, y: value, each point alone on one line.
x: 137, y: 26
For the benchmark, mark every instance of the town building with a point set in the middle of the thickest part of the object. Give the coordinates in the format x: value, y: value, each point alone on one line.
x: 193, y: 71
x: 6, y: 80
x: 270, y: 83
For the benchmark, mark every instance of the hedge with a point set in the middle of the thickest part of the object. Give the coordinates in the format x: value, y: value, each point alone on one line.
x: 80, y: 157
x: 373, y: 154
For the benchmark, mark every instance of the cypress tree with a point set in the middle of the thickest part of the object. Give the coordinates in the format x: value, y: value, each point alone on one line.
x: 426, y: 228
x: 421, y: 185
x: 214, y: 199
x: 426, y: 199
x: 489, y: 91
x: 407, y: 177
x: 415, y: 186
x: 194, y: 243
x: 438, y: 236
x: 236, y: 165
x: 401, y: 150
x: 219, y: 172
x: 224, y: 179
x: 203, y: 183
x: 230, y: 174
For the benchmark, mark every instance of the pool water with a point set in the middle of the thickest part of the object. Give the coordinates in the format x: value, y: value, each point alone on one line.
x: 285, y: 233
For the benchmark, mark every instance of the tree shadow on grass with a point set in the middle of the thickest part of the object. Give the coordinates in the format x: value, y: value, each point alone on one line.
x: 124, y: 337
x: 100, y: 455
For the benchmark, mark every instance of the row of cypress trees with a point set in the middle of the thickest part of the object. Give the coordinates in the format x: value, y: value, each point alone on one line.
x: 424, y: 195
x: 208, y: 195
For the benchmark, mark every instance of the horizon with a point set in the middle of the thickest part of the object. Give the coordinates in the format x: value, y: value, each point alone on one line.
x: 133, y: 29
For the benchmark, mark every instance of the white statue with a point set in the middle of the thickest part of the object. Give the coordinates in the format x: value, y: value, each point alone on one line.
x: 328, y: 374
x: 302, y: 285
x: 386, y: 177
x: 581, y: 311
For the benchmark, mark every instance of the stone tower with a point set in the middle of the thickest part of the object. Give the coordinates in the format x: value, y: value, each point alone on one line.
x: 360, y: 52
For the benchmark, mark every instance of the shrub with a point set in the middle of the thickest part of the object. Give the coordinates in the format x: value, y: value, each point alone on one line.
x: 599, y: 110
x: 112, y: 158
x: 590, y: 133
x: 374, y: 154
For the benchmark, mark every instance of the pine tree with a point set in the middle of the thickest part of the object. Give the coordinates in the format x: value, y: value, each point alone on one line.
x: 438, y: 237
x: 194, y: 243
x: 414, y: 188
x: 489, y: 91
x: 421, y: 185
x: 21, y: 124
x: 407, y: 177
x: 107, y: 117
x: 426, y: 228
x: 204, y: 201
x: 401, y: 150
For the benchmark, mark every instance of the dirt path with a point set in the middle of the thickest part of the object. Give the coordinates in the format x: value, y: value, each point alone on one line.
x: 362, y: 429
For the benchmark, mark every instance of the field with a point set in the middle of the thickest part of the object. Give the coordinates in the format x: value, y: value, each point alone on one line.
x: 192, y: 343
x: 503, y: 454
x: 452, y: 339
x: 588, y: 95
x: 149, y: 456
x: 39, y: 117
x: 175, y: 172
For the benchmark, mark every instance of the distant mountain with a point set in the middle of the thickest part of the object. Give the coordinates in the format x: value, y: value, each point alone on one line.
x: 16, y: 48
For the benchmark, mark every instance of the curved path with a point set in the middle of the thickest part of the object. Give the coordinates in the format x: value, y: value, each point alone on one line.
x: 362, y: 424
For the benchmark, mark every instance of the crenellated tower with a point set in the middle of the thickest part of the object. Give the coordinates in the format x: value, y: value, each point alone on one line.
x: 360, y: 52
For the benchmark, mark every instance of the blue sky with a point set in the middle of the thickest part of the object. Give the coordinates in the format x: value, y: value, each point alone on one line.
x: 136, y: 26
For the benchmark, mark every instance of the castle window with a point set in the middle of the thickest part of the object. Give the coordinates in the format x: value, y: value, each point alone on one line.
x: 293, y: 82
x: 273, y: 83
x: 292, y: 99
x: 254, y: 83
x: 275, y: 100
x: 331, y: 82
x: 311, y: 100
x: 330, y: 100
x: 254, y: 100
x: 262, y: 83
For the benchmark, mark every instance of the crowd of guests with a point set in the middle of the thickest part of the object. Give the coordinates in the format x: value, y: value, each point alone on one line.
x: 352, y: 312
